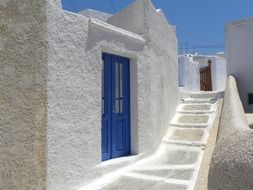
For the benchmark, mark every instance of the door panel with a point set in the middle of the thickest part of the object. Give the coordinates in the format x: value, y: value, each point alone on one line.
x: 117, y: 103
x: 205, y: 78
x: 120, y: 135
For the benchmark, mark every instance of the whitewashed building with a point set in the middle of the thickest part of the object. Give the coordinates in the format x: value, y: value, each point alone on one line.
x: 189, y: 76
x: 232, y: 165
x: 77, y: 90
x: 202, y: 72
x: 239, y: 44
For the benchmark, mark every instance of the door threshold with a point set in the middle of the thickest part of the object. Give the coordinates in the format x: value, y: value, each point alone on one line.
x: 120, y: 160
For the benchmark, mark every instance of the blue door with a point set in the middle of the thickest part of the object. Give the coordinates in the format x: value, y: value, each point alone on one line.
x: 115, y: 107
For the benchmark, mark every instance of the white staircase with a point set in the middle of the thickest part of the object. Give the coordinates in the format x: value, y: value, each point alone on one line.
x: 176, y: 163
x: 189, y: 129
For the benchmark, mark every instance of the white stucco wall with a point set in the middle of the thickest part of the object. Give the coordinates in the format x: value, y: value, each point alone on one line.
x: 124, y: 18
x: 189, y: 74
x: 51, y: 90
x: 73, y: 101
x: 181, y: 76
x: 161, y: 44
x: 74, y: 88
x: 221, y: 73
x: 95, y: 14
x: 239, y: 44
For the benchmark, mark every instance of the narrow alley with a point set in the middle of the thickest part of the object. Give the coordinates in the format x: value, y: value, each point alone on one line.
x: 126, y: 95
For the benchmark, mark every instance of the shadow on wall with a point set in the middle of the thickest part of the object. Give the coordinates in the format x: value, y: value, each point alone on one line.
x: 232, y: 162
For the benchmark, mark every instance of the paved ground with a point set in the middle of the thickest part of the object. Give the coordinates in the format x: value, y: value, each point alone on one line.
x: 176, y: 163
x: 249, y: 117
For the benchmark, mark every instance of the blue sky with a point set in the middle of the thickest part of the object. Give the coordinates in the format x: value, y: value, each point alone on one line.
x: 200, y: 23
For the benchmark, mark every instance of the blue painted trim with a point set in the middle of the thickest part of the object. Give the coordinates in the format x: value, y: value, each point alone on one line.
x: 116, y: 127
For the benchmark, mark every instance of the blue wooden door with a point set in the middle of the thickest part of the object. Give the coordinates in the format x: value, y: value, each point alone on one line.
x: 115, y: 107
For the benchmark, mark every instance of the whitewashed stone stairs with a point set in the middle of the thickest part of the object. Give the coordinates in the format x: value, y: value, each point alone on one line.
x: 176, y: 163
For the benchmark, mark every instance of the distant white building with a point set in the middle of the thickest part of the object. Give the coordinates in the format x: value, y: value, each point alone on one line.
x: 79, y: 89
x: 202, y: 72
x: 189, y: 77
x: 239, y: 45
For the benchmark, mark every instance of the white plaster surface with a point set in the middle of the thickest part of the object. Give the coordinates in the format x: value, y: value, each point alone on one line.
x: 239, y: 43
x: 52, y: 64
x: 189, y: 76
x: 232, y: 164
x: 124, y: 18
x: 91, y: 13
x: 221, y: 73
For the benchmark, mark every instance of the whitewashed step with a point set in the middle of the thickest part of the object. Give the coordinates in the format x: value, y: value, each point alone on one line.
x: 186, y: 136
x: 198, y: 100
x: 148, y: 182
x: 185, y: 143
x: 161, y: 171
x: 203, y: 108
x: 191, y: 120
x: 203, y: 95
x: 213, y: 94
x: 174, y: 155
x: 194, y: 112
x: 189, y: 125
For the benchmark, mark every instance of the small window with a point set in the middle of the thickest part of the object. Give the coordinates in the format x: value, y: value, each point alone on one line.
x: 250, y: 98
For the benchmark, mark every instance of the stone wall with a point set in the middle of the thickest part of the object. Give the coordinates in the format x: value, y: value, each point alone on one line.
x: 232, y: 162
x: 23, y: 94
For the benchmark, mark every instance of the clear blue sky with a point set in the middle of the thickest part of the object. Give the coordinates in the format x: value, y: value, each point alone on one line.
x: 200, y: 23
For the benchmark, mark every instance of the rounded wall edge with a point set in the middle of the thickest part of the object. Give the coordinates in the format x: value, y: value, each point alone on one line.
x: 231, y: 166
